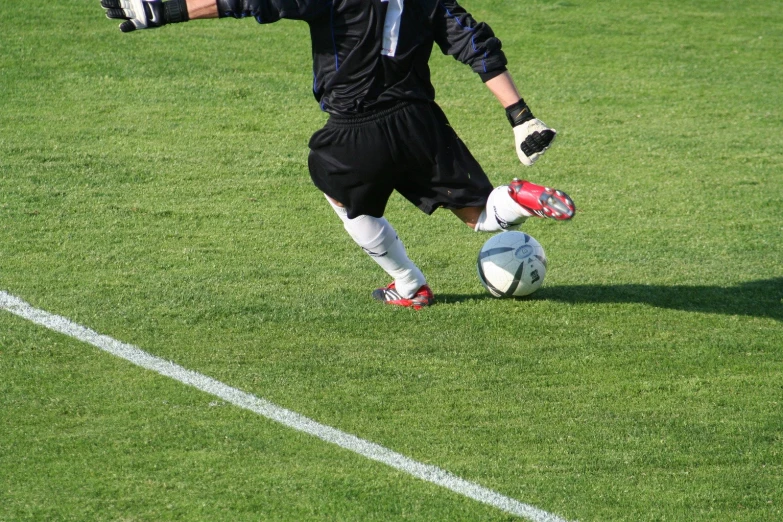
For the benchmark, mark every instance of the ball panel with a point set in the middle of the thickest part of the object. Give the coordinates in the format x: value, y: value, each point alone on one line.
x: 489, y: 252
x: 516, y: 285
x: 490, y: 288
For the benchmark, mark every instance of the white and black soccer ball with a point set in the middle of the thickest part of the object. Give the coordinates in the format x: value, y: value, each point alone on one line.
x: 511, y: 264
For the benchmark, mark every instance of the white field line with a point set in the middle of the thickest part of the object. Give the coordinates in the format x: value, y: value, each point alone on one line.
x: 271, y: 411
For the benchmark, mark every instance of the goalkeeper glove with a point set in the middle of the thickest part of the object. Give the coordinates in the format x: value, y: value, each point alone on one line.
x: 145, y: 14
x: 532, y: 136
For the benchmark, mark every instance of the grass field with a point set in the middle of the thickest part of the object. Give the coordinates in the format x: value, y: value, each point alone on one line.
x: 153, y: 187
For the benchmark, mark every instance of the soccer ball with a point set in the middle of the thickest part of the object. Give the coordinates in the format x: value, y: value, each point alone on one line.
x: 511, y: 264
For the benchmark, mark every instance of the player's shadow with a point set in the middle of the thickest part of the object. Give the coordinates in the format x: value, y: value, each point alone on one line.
x: 755, y: 298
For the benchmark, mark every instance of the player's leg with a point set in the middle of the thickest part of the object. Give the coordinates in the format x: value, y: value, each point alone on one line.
x: 508, y: 206
x: 378, y: 238
x: 351, y: 163
x: 500, y: 212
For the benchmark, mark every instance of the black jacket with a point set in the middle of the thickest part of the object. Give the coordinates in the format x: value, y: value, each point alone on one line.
x: 358, y: 66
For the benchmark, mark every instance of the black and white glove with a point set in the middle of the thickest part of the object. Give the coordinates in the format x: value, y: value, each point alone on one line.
x: 532, y: 136
x: 145, y: 14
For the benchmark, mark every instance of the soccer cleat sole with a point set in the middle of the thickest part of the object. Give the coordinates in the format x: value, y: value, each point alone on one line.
x: 551, y: 203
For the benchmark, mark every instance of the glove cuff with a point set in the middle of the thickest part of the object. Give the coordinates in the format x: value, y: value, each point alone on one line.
x: 518, y: 113
x: 175, y: 11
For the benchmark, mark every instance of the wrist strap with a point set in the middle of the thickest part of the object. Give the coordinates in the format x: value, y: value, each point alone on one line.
x: 175, y: 11
x: 518, y: 113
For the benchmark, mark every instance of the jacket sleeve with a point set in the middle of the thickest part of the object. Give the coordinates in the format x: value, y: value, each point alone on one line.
x: 472, y: 43
x: 268, y: 11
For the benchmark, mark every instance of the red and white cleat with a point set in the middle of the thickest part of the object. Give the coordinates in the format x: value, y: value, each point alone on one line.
x: 541, y: 201
x: 423, y: 297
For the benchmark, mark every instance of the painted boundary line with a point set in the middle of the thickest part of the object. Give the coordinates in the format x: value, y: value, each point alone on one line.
x: 273, y: 412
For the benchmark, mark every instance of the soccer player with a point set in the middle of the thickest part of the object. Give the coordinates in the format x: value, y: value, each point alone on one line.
x: 385, y: 131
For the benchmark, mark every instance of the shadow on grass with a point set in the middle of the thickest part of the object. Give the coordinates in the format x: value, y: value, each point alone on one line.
x: 755, y: 298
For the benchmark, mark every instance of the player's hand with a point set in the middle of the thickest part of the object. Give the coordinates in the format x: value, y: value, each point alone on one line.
x: 532, y: 138
x: 138, y: 14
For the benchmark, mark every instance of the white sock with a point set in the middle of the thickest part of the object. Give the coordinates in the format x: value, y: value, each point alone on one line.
x: 501, y: 212
x: 378, y: 238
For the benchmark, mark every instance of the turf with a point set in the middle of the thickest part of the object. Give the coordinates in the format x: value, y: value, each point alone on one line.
x: 154, y: 187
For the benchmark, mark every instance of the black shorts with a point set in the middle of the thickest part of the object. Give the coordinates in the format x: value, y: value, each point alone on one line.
x: 409, y: 148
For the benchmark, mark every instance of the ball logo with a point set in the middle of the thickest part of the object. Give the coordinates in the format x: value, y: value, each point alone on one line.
x: 523, y: 252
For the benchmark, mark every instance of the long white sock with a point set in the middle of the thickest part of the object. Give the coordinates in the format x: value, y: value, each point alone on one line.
x: 501, y: 212
x: 378, y: 238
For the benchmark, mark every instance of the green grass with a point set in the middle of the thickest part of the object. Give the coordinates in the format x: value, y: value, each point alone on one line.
x: 154, y: 187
